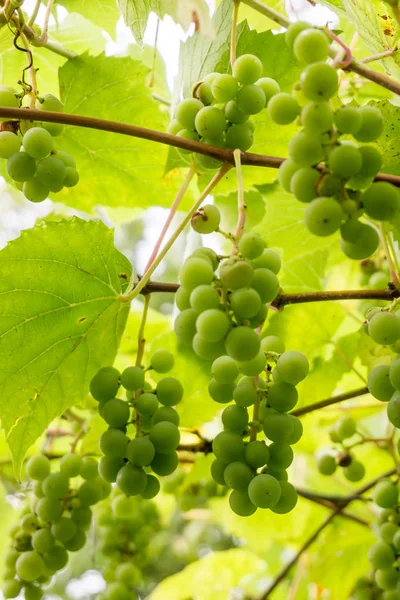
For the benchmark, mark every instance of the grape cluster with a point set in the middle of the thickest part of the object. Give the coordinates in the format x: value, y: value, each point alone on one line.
x: 339, y: 192
x: 341, y: 456
x: 33, y: 163
x: 384, y: 385
x: 128, y: 459
x: 126, y: 529
x: 54, y: 523
x: 219, y: 112
x: 253, y: 470
x: 222, y: 301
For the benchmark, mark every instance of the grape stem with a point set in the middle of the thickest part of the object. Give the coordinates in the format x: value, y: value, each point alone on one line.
x: 43, y: 37
x: 136, y: 288
x: 340, y: 63
x: 388, y: 248
x: 222, y: 154
x: 34, y: 14
x: 171, y: 215
x: 153, y: 65
x: 140, y: 352
x: 235, y: 16
x: 304, y: 410
x: 242, y: 208
x: 378, y: 56
x: 256, y: 413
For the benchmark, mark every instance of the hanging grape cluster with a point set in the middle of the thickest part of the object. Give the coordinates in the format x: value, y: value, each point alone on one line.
x: 33, y: 163
x: 342, y: 189
x: 156, y: 435
x: 219, y: 112
x: 341, y: 455
x: 54, y: 523
x: 384, y: 380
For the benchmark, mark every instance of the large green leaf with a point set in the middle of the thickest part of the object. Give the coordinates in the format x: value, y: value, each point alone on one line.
x: 115, y: 170
x: 61, y: 319
x: 184, y: 12
x: 102, y: 13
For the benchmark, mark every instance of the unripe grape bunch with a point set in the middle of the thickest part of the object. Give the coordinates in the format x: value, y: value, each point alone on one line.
x: 34, y: 164
x: 54, y: 523
x: 341, y: 455
x: 219, y: 111
x: 149, y: 412
x: 332, y: 175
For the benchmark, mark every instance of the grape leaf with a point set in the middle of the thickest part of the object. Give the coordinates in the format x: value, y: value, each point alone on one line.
x: 184, y: 12
x: 62, y: 319
x: 104, y: 14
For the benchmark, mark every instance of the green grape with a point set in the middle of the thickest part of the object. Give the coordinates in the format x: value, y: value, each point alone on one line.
x: 278, y: 427
x: 105, y: 384
x: 239, y: 137
x: 355, y: 471
x: 247, y: 69
x: 9, y: 144
x: 206, y: 219
x: 238, y: 475
x: 8, y: 99
x: 169, y: 391
x: 235, y: 418
x: 241, y: 504
x: 165, y: 413
x: 259, y: 318
x: 393, y: 410
x: 323, y: 216
x: 38, y: 467
x: 345, y: 160
x: 220, y: 392
x: 264, y: 491
x: 48, y: 509
x: 288, y: 499
x: 162, y: 361
x: 379, y: 383
x: 283, y: 108
x: 174, y: 127
x: 204, y: 93
x: 272, y: 343
x: 140, y: 451
x: 29, y: 523
x: 152, y: 488
x: 345, y: 428
x: 329, y: 185
x: 381, y: 555
x: 282, y: 396
x: 385, y: 494
x: 42, y: 541
x: 292, y: 367
x: 250, y: 99
x: 362, y: 246
x: 387, y: 532
x: 131, y: 480
x: 381, y: 201
x: 305, y: 149
x: 113, y: 442
x: 56, y: 559
x: 285, y: 173
x: 319, y: 81
x: 251, y: 245
x: 89, y: 492
x: 55, y: 485
x: 311, y: 45
x: 20, y: 166
x: 64, y: 529
x: 37, y: 142
x: 51, y: 172
x: 326, y: 464
x: 233, y: 114
x: 281, y: 455
x: 118, y: 591
x: 71, y: 177
x: 50, y: 102
x: 210, y: 122
x: 127, y: 572
x: 266, y: 283
x: 384, y: 328
x: 396, y: 537
x: 207, y: 254
x: 116, y: 413
x: 268, y: 260
x: 269, y: 86
x: 217, y: 471
x: 207, y: 350
x: 317, y: 117
x: 109, y: 467
x: 165, y: 436
x: 256, y: 454
x: 182, y: 297
x: 203, y: 298
x: 387, y: 579
x: 185, y: 325
x: 224, y: 87
x: 132, y: 379
x: 208, y: 162
x: 294, y: 30
x: 32, y: 592
x: 245, y: 303
x: 243, y: 343
x: 212, y: 325
x: 348, y: 119
x: 255, y: 366
x: 30, y: 566
x: 236, y: 274
x: 146, y: 404
x: 379, y: 281
x: 224, y: 369
x: 187, y: 134
x: 303, y: 184
x: 11, y: 588
x: 228, y: 447
x: 394, y: 373
x: 371, y: 124
x: 245, y: 394
x: 195, y: 271
x: 76, y: 542
x: 165, y: 463
x: 186, y: 112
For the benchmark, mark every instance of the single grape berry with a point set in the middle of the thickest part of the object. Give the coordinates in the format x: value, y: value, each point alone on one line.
x: 283, y: 108
x: 319, y: 81
x: 162, y: 361
x: 186, y: 112
x: 311, y: 45
x: 247, y: 69
x: 323, y: 216
x: 206, y: 219
x: 372, y: 124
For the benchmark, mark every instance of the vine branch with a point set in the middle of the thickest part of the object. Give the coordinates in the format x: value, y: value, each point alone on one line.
x: 223, y: 154
x: 304, y: 410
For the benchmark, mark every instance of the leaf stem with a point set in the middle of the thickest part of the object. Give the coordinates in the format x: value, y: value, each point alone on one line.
x: 43, y: 37
x: 132, y: 293
x: 34, y: 14
x: 153, y: 65
x: 378, y: 56
x: 235, y: 16
x: 140, y: 351
x: 171, y: 215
